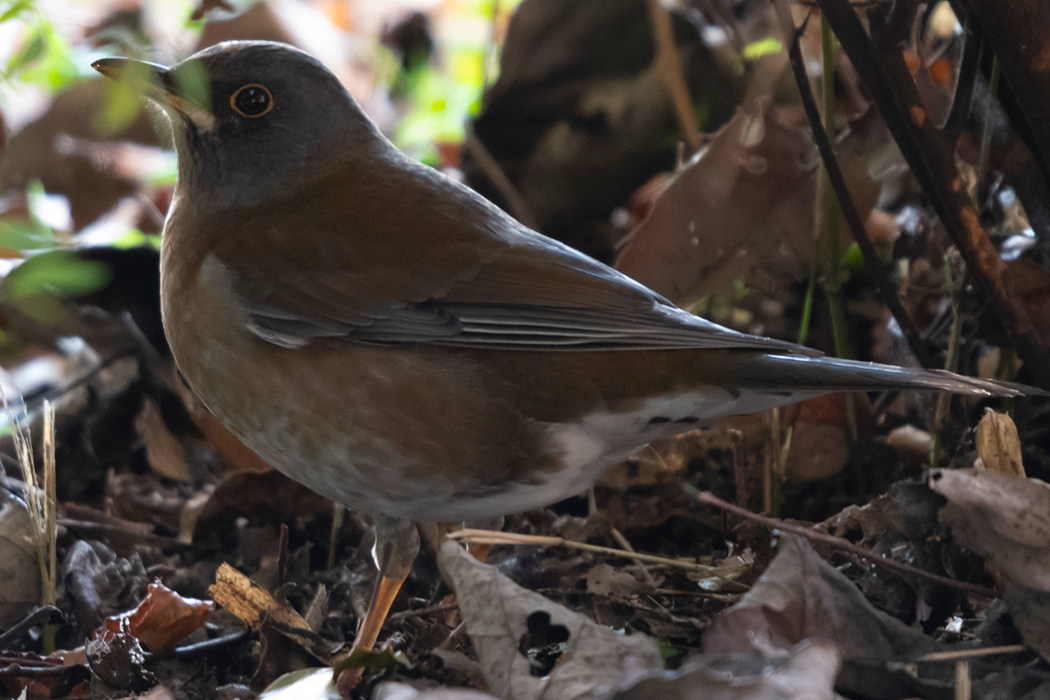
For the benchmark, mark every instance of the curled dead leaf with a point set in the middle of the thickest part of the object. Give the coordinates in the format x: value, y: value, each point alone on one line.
x: 531, y: 648
x: 1002, y: 517
x: 998, y: 444
x: 160, y: 621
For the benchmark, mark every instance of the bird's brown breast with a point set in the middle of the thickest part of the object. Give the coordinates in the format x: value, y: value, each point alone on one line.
x: 371, y: 426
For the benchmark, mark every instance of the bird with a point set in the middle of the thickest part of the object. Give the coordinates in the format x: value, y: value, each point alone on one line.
x: 384, y: 335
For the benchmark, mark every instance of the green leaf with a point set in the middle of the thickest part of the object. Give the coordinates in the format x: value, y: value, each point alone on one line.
x: 120, y: 106
x: 135, y: 238
x: 16, y: 9
x: 25, y: 234
x: 30, y: 51
x: 61, y: 272
x: 192, y: 83
x: 763, y: 47
x: 55, y: 69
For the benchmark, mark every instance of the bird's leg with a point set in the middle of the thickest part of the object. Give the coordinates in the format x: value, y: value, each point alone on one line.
x: 396, y: 547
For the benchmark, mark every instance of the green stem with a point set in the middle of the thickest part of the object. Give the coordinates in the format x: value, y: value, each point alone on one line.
x: 940, y: 416
x: 986, y: 132
x: 807, y: 303
x: 832, y: 274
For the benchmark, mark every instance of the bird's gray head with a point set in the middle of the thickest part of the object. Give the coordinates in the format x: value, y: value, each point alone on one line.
x: 251, y: 119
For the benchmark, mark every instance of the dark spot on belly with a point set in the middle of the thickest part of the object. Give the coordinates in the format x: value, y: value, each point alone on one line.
x: 688, y: 420
x: 656, y: 420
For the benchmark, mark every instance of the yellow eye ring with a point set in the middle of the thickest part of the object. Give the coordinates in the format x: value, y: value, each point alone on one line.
x: 252, y: 100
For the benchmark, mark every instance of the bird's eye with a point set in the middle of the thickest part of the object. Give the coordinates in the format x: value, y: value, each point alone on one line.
x: 252, y: 100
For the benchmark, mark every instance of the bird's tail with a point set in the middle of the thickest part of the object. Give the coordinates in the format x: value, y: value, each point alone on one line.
x: 797, y: 373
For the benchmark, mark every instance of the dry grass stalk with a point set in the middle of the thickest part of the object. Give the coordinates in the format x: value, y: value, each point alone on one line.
x: 496, y: 537
x: 39, y: 501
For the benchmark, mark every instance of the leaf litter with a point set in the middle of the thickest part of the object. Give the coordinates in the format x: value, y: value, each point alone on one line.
x: 156, y: 497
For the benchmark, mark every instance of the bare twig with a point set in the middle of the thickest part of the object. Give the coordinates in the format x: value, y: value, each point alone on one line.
x: 957, y: 654
x: 963, y: 689
x: 622, y: 541
x: 951, y: 362
x: 497, y: 537
x: 519, y: 208
x: 845, y: 545
x: 932, y: 159
x: 669, y: 67
x: 422, y: 612
x: 849, y: 210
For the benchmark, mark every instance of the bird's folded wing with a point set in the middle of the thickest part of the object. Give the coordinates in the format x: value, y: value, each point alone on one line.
x: 489, y: 283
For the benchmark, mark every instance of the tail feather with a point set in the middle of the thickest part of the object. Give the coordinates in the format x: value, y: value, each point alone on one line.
x: 795, y: 373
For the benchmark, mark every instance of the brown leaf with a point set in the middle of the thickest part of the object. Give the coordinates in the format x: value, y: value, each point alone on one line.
x: 1029, y: 285
x: 1002, y: 517
x: 164, y: 451
x: 18, y: 563
x: 606, y: 580
x: 742, y: 208
x: 249, y: 602
x: 819, y: 438
x: 160, y: 621
x: 807, y: 672
x: 998, y: 444
x: 800, y: 596
x: 531, y: 648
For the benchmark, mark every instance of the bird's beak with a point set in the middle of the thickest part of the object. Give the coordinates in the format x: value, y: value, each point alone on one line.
x: 160, y: 84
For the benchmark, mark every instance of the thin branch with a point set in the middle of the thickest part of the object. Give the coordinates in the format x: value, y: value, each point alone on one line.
x: 958, y: 654
x: 422, y: 612
x: 932, y: 160
x: 497, y: 537
x: 838, y: 183
x: 669, y: 67
x: 845, y: 545
x: 969, y: 68
x: 519, y: 208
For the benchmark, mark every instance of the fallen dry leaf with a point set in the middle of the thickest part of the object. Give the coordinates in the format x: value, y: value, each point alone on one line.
x: 160, y: 621
x: 505, y: 621
x: 253, y: 605
x: 800, y: 596
x: 911, y: 444
x: 741, y: 208
x: 807, y: 672
x: 19, y: 573
x: 1002, y: 517
x: 609, y: 581
x: 249, y: 602
x: 998, y: 444
x: 1030, y: 612
x: 403, y: 691
x: 820, y: 435
x: 164, y: 451
x: 307, y: 684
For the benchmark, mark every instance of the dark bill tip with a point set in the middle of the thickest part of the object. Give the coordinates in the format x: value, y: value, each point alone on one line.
x: 157, y: 83
x: 140, y: 74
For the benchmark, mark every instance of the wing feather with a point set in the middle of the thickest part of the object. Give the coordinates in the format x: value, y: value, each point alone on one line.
x: 445, y: 268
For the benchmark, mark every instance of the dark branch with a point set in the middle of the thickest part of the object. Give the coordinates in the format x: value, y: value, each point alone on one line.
x: 846, y: 204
